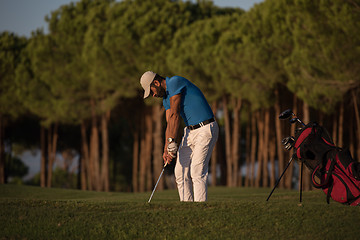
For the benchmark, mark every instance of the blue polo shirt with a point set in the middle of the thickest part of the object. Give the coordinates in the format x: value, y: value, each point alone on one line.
x: 193, y: 107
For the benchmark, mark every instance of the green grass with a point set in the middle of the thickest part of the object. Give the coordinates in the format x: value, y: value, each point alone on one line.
x: 231, y: 213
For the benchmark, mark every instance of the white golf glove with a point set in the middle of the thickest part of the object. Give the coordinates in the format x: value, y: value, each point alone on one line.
x: 172, y: 149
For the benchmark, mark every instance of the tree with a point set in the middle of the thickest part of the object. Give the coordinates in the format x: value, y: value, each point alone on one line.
x: 15, y: 169
x: 11, y: 108
x: 332, y: 70
x: 50, y: 80
x: 35, y: 91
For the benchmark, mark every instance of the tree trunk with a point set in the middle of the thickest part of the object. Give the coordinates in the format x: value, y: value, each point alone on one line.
x: 266, y: 148
x: 135, y: 167
x: 357, y: 116
x: 43, y: 157
x: 352, y: 140
x: 158, y: 145
x: 335, y: 129
x: 279, y: 136
x: 146, y: 151
x: 87, y: 169
x: 306, y: 172
x: 260, y: 124
x: 229, y: 160
x: 272, y: 153
x: 142, y: 166
x: 341, y: 125
x: 149, y: 145
x: 236, y: 142
x: 248, y: 155
x: 2, y: 151
x: 105, y: 151
x: 50, y: 161
x: 222, y: 160
x: 253, y: 149
x: 94, y: 149
x: 214, y: 155
x: 83, y: 167
x: 52, y: 142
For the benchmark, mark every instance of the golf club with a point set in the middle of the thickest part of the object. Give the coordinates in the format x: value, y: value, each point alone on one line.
x: 293, y: 120
x: 297, y: 119
x: 157, y: 182
x: 287, y: 114
x: 289, y: 142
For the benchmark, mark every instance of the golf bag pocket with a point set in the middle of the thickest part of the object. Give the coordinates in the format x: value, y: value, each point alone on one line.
x: 337, y: 179
x: 312, y: 145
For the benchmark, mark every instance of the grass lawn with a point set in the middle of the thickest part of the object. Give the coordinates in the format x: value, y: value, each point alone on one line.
x: 230, y: 213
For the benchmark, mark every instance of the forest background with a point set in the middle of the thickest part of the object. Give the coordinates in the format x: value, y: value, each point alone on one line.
x: 74, y: 92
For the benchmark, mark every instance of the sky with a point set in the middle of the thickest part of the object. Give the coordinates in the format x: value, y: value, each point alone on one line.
x: 24, y: 16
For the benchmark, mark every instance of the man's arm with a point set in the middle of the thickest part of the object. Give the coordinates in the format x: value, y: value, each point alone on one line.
x: 173, y: 117
x: 173, y: 122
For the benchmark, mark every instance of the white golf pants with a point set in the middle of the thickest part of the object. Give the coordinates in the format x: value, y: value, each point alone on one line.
x: 191, y: 169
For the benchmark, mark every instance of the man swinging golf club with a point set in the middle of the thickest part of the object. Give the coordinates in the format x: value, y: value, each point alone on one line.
x: 183, y: 98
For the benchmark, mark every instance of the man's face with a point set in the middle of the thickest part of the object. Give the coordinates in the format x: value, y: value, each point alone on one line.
x: 156, y: 90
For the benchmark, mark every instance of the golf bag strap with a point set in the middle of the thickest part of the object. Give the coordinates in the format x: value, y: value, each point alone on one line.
x: 329, y: 173
x: 331, y: 168
x: 328, y: 195
x: 317, y: 185
x: 355, y: 202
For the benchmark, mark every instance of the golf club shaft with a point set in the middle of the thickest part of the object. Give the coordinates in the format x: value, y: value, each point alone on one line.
x: 157, y: 182
x: 301, y: 122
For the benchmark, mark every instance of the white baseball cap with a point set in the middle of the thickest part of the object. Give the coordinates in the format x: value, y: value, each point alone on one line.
x: 145, y: 81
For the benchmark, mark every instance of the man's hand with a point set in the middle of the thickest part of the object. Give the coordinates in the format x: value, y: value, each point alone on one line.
x: 172, y: 149
x: 167, y: 157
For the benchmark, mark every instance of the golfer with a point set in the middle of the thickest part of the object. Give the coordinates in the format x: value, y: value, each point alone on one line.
x: 183, y: 98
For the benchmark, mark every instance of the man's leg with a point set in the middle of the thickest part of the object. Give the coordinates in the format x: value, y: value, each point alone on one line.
x: 203, y: 144
x: 182, y: 170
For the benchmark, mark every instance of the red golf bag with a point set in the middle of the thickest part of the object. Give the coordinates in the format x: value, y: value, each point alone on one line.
x: 338, y: 175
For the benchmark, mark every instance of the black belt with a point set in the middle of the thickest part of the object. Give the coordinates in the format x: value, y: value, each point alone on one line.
x: 192, y: 127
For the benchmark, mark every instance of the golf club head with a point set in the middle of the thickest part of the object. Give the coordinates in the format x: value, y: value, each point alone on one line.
x: 286, y: 114
x: 288, y: 142
x: 293, y: 120
x: 298, y: 130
